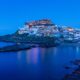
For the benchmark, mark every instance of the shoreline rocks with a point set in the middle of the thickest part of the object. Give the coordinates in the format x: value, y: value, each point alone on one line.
x: 16, y: 47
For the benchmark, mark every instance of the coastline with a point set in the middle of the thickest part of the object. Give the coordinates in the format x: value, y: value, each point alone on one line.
x: 22, y: 42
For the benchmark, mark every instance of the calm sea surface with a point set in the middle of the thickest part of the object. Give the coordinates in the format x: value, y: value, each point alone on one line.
x: 38, y: 63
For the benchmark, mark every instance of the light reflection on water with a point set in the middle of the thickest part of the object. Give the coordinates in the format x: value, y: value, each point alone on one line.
x: 38, y: 63
x: 34, y: 55
x: 50, y: 60
x: 77, y: 52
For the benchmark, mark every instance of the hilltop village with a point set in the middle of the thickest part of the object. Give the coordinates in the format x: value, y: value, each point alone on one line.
x: 43, y: 32
x: 40, y: 33
x: 46, y: 27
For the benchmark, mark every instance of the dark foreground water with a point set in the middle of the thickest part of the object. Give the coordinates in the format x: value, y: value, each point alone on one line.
x: 38, y: 63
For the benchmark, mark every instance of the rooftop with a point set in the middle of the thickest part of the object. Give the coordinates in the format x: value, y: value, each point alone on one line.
x: 45, y: 22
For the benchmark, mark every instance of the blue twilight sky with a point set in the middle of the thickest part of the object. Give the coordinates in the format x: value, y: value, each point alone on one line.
x: 13, y: 13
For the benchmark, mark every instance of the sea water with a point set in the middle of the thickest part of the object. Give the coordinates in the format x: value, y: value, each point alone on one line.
x: 38, y: 63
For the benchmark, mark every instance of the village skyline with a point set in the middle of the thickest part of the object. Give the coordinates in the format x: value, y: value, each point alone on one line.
x: 13, y: 14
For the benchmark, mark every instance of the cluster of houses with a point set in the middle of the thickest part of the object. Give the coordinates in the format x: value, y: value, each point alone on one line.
x: 46, y: 27
x: 42, y: 27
